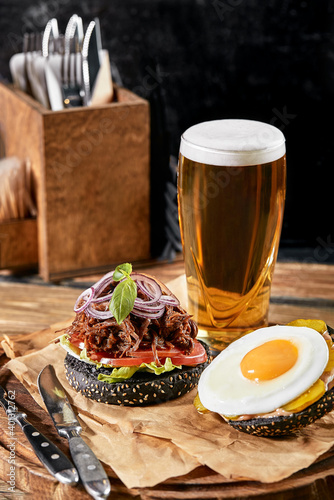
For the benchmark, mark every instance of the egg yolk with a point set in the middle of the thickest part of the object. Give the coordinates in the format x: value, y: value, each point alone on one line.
x: 269, y: 360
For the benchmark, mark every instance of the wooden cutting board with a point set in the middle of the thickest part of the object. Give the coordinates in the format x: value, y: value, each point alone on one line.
x: 299, y: 290
x: 34, y: 481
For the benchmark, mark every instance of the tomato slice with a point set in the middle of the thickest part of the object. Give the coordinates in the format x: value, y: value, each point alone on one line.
x: 197, y: 356
x: 76, y: 341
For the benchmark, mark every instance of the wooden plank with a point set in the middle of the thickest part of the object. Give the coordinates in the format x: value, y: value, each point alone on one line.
x: 97, y: 187
x: 302, y: 279
x: 31, y: 477
x: 92, y: 175
x: 25, y: 308
x: 28, y: 307
x: 22, y: 129
x: 18, y: 244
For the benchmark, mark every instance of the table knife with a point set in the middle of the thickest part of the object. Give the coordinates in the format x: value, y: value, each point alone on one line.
x: 91, y: 472
x: 48, y: 453
x: 86, y: 71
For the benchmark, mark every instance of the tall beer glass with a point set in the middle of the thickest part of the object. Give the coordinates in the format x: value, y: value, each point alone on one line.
x: 231, y: 193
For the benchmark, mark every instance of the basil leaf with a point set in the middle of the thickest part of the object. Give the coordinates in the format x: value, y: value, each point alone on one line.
x: 123, y: 299
x: 122, y: 271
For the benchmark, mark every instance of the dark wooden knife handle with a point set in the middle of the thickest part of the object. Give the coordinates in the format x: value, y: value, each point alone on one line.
x: 48, y: 453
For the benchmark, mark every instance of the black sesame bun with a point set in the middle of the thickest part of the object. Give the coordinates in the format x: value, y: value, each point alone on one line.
x: 141, y: 389
x: 285, y: 425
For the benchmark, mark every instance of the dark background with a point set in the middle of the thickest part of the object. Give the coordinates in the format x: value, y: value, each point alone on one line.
x: 198, y: 60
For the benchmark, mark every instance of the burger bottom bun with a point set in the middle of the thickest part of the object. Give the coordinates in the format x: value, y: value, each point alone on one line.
x: 141, y: 389
x: 284, y: 425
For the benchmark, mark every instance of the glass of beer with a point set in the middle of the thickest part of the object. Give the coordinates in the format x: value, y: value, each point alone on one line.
x: 231, y: 194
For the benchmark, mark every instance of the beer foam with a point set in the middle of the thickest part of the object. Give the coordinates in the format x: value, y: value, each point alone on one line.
x: 232, y: 143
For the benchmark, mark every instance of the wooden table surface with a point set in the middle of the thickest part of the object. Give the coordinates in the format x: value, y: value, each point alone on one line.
x: 299, y: 290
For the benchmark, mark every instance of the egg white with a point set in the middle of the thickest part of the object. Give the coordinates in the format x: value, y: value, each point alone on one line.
x: 223, y: 389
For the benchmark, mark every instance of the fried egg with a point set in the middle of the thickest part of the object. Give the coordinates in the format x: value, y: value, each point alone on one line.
x: 263, y: 370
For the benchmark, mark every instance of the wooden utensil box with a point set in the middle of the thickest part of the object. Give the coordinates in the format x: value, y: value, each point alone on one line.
x: 91, y: 170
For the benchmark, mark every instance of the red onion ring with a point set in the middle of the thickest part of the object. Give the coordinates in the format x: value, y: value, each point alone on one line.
x: 148, y: 315
x: 144, y: 282
x: 141, y: 305
x: 170, y: 300
x: 158, y: 294
x: 90, y: 292
x: 96, y: 313
x: 103, y: 298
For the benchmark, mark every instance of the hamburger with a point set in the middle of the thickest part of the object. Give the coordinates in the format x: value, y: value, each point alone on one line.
x: 131, y: 343
x: 277, y: 380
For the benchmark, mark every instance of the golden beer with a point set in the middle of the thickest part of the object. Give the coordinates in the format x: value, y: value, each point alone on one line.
x: 231, y: 188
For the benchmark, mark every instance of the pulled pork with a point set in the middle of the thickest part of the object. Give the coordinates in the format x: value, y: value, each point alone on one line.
x: 174, y: 329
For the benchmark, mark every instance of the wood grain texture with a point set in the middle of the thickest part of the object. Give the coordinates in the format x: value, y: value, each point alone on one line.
x: 92, y: 176
x: 25, y: 307
x: 304, y: 280
x: 202, y: 483
x: 301, y: 289
x: 18, y: 244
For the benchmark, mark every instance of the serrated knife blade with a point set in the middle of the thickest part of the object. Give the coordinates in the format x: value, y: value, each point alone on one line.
x: 91, y: 472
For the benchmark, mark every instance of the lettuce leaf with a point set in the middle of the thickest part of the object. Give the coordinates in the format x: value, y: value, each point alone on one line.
x: 126, y: 372
x: 153, y: 368
x: 84, y: 357
x: 66, y: 344
x: 118, y: 374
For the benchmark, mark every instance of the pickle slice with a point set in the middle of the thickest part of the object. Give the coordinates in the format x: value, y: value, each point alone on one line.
x: 317, y: 324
